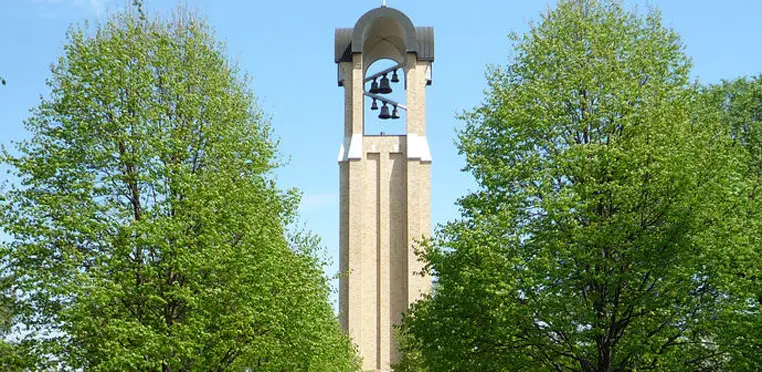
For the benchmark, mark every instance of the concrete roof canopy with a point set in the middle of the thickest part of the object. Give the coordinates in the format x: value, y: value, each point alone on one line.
x: 384, y: 33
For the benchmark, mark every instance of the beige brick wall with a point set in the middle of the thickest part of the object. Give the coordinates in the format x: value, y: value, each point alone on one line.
x: 384, y: 209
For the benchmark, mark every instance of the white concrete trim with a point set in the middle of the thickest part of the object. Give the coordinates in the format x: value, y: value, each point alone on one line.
x: 418, y: 147
x: 343, y: 150
x: 355, y: 147
x: 351, y: 149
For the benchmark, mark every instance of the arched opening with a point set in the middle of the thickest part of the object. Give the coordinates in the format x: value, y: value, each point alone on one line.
x: 374, y: 123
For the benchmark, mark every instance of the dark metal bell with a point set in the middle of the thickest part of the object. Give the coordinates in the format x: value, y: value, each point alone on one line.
x: 374, y: 87
x: 384, y: 112
x: 374, y: 106
x: 395, y: 113
x: 384, y: 88
x: 395, y: 78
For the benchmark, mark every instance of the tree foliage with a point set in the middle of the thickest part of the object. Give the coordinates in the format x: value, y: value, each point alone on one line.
x: 739, y: 102
x: 147, y: 231
x: 610, y: 229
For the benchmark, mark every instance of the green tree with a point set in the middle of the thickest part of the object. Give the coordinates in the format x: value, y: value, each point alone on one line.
x: 604, y: 235
x: 147, y: 231
x: 739, y: 102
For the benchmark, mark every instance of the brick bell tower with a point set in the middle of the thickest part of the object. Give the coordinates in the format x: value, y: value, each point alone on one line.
x: 385, y: 180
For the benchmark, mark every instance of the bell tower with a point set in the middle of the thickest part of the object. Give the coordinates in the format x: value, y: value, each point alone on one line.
x: 385, y: 180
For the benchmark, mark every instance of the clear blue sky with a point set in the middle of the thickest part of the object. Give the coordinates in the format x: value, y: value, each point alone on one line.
x: 287, y: 46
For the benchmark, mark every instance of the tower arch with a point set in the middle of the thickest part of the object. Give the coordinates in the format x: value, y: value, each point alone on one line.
x: 392, y: 23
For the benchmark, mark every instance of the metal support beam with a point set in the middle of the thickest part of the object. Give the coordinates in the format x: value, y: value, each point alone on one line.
x: 386, y: 71
x: 387, y: 100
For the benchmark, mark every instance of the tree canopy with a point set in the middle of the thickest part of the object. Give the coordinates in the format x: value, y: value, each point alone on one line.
x: 611, y: 228
x: 146, y: 230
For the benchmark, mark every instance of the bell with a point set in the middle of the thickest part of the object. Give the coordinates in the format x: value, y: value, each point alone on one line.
x: 384, y: 88
x: 374, y: 87
x: 395, y: 113
x: 374, y: 106
x: 395, y: 78
x: 384, y: 112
